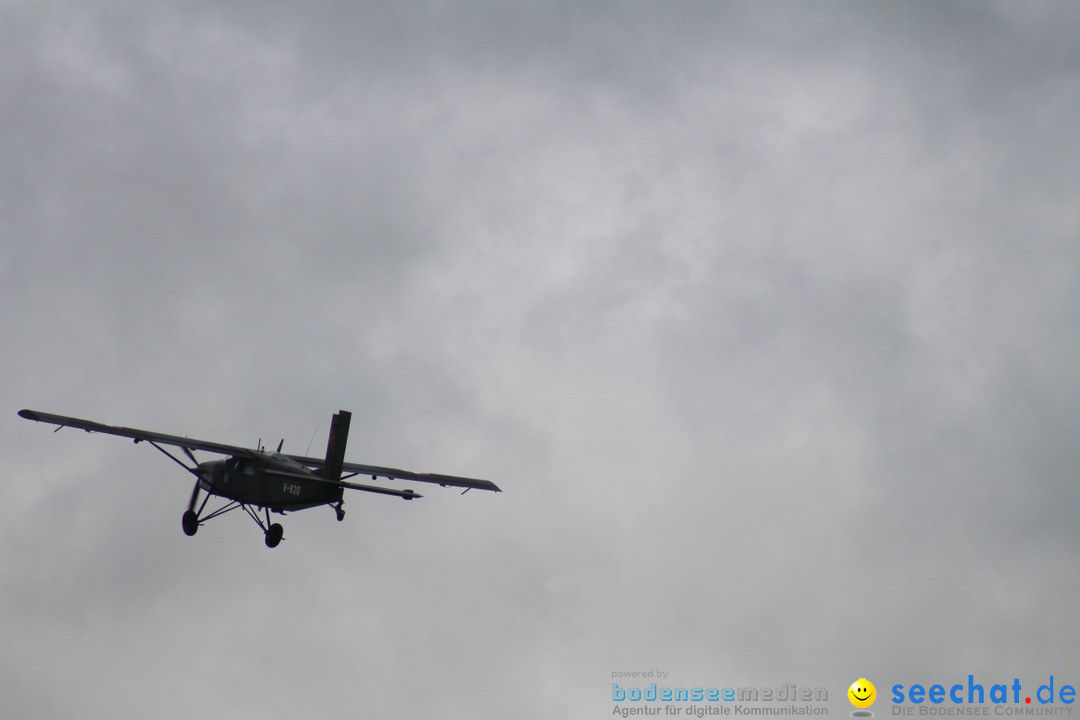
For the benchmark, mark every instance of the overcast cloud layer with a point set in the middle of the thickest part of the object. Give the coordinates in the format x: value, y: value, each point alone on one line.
x: 763, y: 315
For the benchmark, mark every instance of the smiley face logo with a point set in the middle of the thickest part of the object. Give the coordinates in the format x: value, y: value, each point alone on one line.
x: 862, y: 693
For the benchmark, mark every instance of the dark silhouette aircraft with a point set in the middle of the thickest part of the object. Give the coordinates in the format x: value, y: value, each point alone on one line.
x: 260, y: 482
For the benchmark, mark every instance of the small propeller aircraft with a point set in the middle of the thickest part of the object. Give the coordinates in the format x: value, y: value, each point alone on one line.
x: 256, y: 481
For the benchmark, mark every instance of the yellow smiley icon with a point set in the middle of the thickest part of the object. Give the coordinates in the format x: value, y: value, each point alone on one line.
x: 862, y: 693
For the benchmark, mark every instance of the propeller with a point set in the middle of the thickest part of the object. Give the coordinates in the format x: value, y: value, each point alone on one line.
x: 194, y: 497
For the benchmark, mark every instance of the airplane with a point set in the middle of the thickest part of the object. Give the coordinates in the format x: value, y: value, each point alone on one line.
x: 256, y: 481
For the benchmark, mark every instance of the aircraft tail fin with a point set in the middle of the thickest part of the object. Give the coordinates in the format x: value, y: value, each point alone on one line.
x: 335, y: 444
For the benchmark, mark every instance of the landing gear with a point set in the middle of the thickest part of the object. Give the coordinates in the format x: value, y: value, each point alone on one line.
x: 190, y: 522
x: 340, y: 512
x: 274, y: 534
x: 193, y: 518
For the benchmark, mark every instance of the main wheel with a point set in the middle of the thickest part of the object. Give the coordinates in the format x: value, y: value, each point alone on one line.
x: 273, y: 535
x: 190, y: 522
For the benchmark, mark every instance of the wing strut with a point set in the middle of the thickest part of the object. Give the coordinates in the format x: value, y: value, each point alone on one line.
x: 194, y: 471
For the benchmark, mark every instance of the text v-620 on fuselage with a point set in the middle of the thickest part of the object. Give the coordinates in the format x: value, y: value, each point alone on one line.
x: 260, y: 482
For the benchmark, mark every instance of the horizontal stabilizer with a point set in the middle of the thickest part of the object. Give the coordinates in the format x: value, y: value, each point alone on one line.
x: 304, y: 477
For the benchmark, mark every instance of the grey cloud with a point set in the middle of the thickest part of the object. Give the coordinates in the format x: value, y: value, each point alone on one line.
x: 762, y: 314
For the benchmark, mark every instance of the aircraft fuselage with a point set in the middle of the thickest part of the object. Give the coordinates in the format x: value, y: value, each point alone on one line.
x: 273, y: 482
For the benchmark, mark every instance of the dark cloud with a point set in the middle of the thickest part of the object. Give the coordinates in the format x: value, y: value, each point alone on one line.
x: 761, y: 313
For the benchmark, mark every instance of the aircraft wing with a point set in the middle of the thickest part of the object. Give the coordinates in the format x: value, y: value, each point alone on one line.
x: 313, y: 463
x: 376, y: 472
x: 136, y: 434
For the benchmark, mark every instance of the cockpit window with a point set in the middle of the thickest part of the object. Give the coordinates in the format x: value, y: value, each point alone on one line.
x: 282, y: 457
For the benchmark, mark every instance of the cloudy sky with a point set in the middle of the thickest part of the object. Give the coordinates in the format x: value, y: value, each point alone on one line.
x: 764, y: 316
